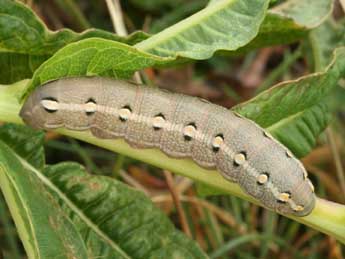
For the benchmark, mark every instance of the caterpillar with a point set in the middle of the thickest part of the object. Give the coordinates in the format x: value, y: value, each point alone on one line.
x: 181, y: 126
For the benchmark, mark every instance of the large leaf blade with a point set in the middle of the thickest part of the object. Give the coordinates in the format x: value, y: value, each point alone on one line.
x: 299, y: 132
x: 39, y: 222
x: 323, y: 40
x: 95, y: 57
x: 222, y: 25
x: 25, y: 143
x: 283, y: 24
x: 126, y: 216
x: 308, y: 13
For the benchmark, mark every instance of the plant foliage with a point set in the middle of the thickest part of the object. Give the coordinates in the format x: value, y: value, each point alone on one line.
x: 64, y: 211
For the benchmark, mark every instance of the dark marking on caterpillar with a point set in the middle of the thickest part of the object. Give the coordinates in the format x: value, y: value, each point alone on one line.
x: 180, y: 126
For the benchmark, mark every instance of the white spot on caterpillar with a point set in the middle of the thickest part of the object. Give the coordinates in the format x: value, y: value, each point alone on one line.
x: 262, y: 178
x: 50, y: 105
x: 124, y: 113
x: 284, y: 196
x: 288, y: 153
x: 189, y: 131
x: 240, y: 158
x: 238, y: 115
x: 305, y: 174
x: 311, y: 186
x: 217, y: 142
x: 267, y: 135
x: 298, y: 208
x: 158, y: 122
x: 90, y: 107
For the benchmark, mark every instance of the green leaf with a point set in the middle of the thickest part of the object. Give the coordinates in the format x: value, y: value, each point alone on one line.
x: 224, y: 24
x: 93, y: 57
x: 289, y: 22
x: 300, y: 131
x: 308, y: 13
x: 133, y: 227
x: 15, y: 67
x: 106, y: 218
x: 297, y: 105
x: 43, y: 227
x: 25, y: 42
x: 25, y: 142
x: 324, y: 40
x: 283, y: 24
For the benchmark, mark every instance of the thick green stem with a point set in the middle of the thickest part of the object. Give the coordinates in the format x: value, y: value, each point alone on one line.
x: 327, y: 217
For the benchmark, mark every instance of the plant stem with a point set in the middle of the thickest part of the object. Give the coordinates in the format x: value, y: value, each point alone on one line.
x: 116, y: 17
x: 115, y: 11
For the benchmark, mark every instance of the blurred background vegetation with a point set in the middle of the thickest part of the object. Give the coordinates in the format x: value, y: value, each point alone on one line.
x: 224, y: 226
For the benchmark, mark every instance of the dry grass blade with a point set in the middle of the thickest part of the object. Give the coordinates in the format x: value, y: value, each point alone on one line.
x: 176, y: 198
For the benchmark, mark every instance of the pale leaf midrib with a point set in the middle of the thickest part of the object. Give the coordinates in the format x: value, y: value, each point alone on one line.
x: 285, y: 120
x: 36, y: 247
